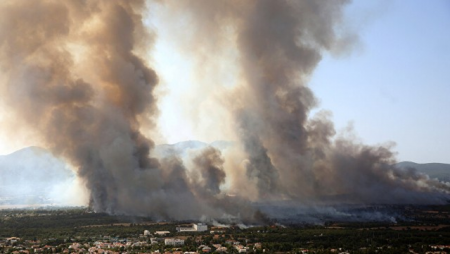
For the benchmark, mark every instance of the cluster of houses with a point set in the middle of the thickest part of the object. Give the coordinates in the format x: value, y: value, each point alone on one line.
x: 108, y: 244
x: 196, y: 227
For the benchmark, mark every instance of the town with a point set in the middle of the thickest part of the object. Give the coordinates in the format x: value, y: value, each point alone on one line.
x: 81, y: 231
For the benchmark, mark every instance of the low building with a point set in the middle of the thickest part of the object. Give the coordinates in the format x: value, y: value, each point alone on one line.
x: 196, y: 227
x: 174, y: 242
x: 200, y: 227
x: 217, y: 231
x: 75, y: 246
x: 221, y: 249
x: 185, y: 229
x: 162, y: 232
x: 147, y: 233
x: 12, y: 240
x: 206, y: 249
x: 155, y: 240
x: 240, y: 248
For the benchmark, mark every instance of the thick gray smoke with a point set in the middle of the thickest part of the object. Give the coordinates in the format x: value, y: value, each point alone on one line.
x: 212, y: 175
x: 88, y: 113
x: 72, y: 72
x: 290, y: 156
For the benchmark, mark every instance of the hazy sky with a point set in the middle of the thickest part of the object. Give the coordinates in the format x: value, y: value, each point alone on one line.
x: 394, y: 86
x: 397, y: 86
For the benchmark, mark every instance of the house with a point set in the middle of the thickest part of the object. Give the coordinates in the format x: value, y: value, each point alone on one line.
x: 221, y: 249
x: 206, y: 249
x: 240, y: 248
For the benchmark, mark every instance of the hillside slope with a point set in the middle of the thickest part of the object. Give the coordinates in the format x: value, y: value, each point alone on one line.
x: 440, y: 171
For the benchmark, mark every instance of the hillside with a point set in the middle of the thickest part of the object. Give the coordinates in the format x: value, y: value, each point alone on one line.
x: 32, y: 175
x: 440, y: 171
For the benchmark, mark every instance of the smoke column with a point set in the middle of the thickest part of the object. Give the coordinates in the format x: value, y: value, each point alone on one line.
x: 73, y: 73
x: 291, y: 157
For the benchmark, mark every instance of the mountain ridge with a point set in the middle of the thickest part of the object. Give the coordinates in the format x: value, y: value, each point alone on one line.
x: 437, y: 170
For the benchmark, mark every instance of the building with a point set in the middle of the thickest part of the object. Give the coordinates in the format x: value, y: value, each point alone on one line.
x: 147, y: 233
x: 162, y: 232
x: 196, y: 227
x: 240, y: 248
x: 12, y: 240
x: 206, y: 249
x: 155, y: 240
x: 221, y: 249
x: 185, y: 229
x: 173, y: 242
x: 200, y: 227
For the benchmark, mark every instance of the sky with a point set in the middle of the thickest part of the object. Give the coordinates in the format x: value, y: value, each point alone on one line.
x: 394, y: 86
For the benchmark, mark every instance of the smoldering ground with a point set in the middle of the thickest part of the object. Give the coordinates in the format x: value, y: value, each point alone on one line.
x: 74, y: 74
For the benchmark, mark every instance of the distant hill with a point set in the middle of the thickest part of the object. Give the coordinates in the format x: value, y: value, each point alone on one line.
x: 35, y: 175
x: 32, y: 175
x: 440, y: 171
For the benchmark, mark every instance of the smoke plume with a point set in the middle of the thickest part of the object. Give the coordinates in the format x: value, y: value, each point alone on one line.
x: 210, y: 165
x: 290, y: 156
x: 74, y: 73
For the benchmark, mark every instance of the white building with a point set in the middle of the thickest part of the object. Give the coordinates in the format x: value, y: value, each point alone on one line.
x: 240, y: 248
x: 162, y: 232
x: 173, y: 242
x: 200, y: 227
x: 221, y: 249
x: 155, y: 240
x: 12, y: 239
x: 147, y: 233
x: 185, y: 229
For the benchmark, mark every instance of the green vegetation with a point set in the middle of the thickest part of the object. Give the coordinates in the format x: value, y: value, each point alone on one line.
x: 425, y: 227
x: 41, y: 224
